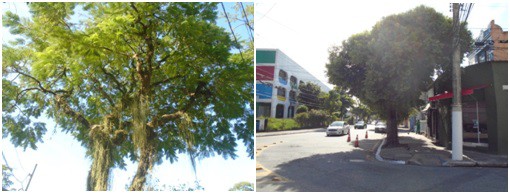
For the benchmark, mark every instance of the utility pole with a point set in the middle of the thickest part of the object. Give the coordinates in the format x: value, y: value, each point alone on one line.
x: 457, y: 95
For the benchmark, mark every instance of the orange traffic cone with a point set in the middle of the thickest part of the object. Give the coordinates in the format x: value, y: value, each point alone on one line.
x: 366, y: 135
x: 348, y: 135
x: 356, y: 143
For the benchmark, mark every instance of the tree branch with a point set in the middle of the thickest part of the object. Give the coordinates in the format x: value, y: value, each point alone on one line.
x: 58, y: 98
x: 112, y: 77
x: 67, y: 110
x: 166, y: 80
x: 165, y: 118
x: 101, y: 90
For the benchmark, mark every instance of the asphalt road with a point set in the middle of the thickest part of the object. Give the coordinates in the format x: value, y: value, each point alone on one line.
x: 310, y: 161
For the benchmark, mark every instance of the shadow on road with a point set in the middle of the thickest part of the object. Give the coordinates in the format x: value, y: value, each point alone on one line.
x: 311, y: 173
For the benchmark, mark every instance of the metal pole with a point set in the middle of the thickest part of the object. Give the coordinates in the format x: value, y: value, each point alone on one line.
x: 31, y: 175
x: 456, y: 79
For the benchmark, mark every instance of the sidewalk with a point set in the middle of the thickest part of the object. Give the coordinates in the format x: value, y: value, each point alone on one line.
x: 419, y: 150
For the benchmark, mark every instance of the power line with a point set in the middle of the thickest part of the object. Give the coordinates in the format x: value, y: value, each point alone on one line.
x: 233, y: 34
x: 267, y: 12
x: 247, y: 23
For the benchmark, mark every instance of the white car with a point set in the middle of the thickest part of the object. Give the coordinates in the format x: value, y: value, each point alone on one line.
x: 337, y: 128
x: 380, y: 127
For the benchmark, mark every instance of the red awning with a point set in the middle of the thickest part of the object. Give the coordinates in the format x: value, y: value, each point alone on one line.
x: 447, y: 95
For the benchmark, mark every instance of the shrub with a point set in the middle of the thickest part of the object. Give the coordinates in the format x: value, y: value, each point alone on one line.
x: 313, y: 118
x: 302, y: 109
x: 275, y: 124
x: 302, y: 119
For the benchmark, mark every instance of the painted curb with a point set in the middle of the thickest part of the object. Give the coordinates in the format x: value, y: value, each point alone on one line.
x: 378, y: 156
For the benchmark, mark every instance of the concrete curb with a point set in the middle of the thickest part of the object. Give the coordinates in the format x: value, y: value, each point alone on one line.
x: 461, y: 163
x: 492, y: 164
x: 378, y: 156
x: 290, y: 132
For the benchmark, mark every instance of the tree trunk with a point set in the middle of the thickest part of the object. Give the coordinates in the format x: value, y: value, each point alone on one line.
x: 145, y: 162
x: 102, y: 160
x: 392, y: 130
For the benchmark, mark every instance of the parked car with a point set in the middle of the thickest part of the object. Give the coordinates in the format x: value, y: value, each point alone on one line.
x: 337, y: 128
x: 380, y: 127
x: 360, y: 125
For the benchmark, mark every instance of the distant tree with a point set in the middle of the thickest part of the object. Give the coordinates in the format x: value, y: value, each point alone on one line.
x: 242, y: 186
x: 138, y: 81
x: 362, y: 111
x: 309, y: 95
x: 153, y: 184
x: 388, y: 67
x: 302, y: 109
x: 338, y: 100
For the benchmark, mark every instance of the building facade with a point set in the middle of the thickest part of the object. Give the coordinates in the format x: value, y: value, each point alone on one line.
x: 277, y: 87
x: 484, y: 97
x: 490, y: 45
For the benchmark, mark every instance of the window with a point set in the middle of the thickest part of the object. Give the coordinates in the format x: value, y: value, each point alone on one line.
x: 263, y: 109
x: 292, y: 96
x: 293, y: 82
x: 282, y: 77
x: 281, y: 94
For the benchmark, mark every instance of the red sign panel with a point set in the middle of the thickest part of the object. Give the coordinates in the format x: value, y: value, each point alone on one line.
x: 265, y: 72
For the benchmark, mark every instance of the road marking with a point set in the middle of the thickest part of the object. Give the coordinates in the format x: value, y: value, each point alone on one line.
x: 357, y: 160
x: 263, y: 172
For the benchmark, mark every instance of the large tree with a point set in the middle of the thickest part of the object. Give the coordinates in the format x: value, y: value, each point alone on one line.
x: 138, y: 81
x: 389, y: 66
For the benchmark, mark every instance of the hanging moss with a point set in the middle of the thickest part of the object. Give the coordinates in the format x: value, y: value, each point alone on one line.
x: 139, y: 110
x: 102, y: 147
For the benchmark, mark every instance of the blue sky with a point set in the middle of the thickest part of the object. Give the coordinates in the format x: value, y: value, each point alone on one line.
x: 62, y: 165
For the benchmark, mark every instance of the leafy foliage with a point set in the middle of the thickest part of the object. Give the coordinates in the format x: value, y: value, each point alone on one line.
x: 142, y: 81
x: 275, y: 124
x: 313, y: 118
x: 363, y: 112
x: 6, y: 175
x: 302, y: 109
x: 388, y: 67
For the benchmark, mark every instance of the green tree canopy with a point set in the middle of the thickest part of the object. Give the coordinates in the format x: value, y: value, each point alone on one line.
x: 388, y: 67
x: 142, y: 81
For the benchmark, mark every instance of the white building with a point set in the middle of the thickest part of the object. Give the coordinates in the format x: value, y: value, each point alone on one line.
x: 277, y: 87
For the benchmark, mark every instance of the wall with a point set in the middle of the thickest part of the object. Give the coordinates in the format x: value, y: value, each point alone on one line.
x: 266, y: 56
x: 500, y: 70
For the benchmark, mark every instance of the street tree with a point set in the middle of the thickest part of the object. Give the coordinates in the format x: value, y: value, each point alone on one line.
x: 389, y: 66
x: 309, y: 95
x: 130, y: 81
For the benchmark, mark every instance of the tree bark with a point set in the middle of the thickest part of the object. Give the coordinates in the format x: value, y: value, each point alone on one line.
x: 145, y: 163
x: 392, y: 130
